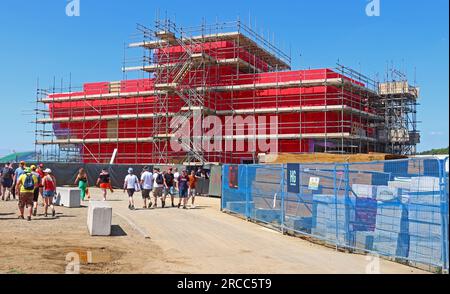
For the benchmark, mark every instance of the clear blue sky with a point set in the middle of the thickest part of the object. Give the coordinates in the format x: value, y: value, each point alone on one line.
x: 39, y: 40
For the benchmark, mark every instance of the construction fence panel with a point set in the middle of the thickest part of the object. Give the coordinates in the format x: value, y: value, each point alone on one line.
x: 397, y: 209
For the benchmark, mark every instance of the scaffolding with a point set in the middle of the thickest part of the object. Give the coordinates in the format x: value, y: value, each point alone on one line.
x: 229, y: 71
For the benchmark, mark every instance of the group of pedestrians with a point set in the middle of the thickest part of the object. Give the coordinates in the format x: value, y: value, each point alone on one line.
x: 160, y: 185
x: 26, y: 184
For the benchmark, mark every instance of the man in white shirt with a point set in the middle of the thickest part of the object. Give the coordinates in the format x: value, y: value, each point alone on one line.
x: 130, y: 186
x: 147, y: 186
x: 158, y: 184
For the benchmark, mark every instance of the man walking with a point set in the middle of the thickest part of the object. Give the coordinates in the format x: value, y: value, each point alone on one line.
x: 192, y: 185
x: 130, y: 186
x: 147, y: 186
x: 17, y: 173
x: 26, y: 184
x: 169, y: 187
x: 7, y: 175
x: 183, y: 187
x: 36, y: 191
x: 158, y: 184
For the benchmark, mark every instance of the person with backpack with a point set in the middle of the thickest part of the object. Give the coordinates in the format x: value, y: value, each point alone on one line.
x: 104, y: 182
x: 168, y: 187
x: 37, y: 190
x: 49, y: 190
x: 26, y: 184
x: 131, y: 185
x: 7, y: 175
x: 158, y: 185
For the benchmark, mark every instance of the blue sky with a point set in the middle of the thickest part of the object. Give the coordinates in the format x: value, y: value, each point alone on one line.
x: 38, y: 39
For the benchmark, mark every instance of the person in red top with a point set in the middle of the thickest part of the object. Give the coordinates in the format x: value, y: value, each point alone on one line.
x: 40, y: 171
x: 49, y: 187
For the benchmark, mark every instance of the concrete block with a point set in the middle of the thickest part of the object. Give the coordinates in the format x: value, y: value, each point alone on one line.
x: 69, y: 197
x: 99, y: 218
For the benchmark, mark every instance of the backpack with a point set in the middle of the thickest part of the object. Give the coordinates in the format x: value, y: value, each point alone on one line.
x: 6, y: 173
x: 160, y: 179
x: 29, y: 182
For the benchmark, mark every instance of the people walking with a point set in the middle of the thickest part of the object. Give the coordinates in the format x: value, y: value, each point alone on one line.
x: 17, y: 173
x: 7, y: 175
x: 49, y: 191
x: 169, y: 187
x: 26, y: 184
x: 130, y: 186
x: 82, y: 182
x: 36, y: 190
x: 183, y: 188
x: 176, y: 177
x: 104, y: 182
x: 192, y: 185
x: 147, y: 186
x: 40, y: 171
x: 158, y: 184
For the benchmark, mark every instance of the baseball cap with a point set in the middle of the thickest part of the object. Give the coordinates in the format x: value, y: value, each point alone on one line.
x: 33, y: 167
x: 130, y: 170
x: 28, y: 170
x: 48, y: 171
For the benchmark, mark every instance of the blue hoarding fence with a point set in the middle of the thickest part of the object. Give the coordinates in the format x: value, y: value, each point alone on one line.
x: 397, y: 209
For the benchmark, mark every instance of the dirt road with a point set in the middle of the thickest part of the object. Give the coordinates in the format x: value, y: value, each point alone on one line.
x: 201, y: 240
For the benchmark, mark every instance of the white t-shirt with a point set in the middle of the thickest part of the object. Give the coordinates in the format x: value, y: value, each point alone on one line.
x: 147, y: 178
x: 131, y: 181
x: 155, y: 176
x: 176, y: 176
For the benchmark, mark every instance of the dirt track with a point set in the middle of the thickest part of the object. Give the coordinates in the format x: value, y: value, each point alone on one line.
x: 201, y: 240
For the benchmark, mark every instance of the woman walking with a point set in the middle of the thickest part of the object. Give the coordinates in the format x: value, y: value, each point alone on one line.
x: 104, y: 182
x: 82, y: 182
x: 131, y: 185
x: 49, y: 191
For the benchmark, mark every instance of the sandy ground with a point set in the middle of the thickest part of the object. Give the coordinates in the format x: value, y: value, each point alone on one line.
x: 201, y: 240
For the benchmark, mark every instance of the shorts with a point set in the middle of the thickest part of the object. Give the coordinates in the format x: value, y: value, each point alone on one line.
x: 131, y: 192
x: 184, y: 193
x: 105, y: 186
x: 25, y: 199
x: 192, y: 192
x: 157, y: 191
x: 49, y: 194
x: 146, y: 193
x: 7, y: 183
x: 170, y: 190
x: 36, y: 195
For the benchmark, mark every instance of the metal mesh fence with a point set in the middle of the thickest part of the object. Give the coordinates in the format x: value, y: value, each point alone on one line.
x: 397, y: 209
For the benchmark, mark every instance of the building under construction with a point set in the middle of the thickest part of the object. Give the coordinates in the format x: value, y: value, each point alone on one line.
x: 229, y: 72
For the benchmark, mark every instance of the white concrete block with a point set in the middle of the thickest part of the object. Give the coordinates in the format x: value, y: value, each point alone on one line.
x: 99, y: 218
x: 69, y: 197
